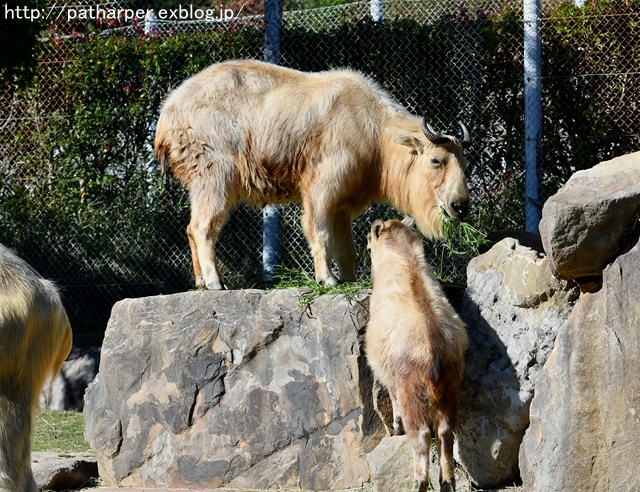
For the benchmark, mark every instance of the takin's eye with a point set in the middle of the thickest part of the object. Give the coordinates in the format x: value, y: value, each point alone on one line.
x: 435, y: 162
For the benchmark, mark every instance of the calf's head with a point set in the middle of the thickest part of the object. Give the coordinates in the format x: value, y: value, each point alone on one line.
x: 435, y: 178
x: 392, y: 241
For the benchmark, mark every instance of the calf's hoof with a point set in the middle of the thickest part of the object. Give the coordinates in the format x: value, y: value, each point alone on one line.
x: 447, y: 487
x: 420, y: 486
x: 398, y: 428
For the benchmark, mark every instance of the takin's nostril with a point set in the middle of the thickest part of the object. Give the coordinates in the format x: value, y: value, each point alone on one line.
x: 461, y: 209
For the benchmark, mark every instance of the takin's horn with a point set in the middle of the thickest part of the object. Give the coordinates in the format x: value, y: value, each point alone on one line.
x: 433, y: 136
x: 466, y: 138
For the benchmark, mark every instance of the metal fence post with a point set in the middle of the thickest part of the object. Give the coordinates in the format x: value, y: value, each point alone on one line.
x: 377, y: 10
x: 270, y: 213
x: 532, y: 111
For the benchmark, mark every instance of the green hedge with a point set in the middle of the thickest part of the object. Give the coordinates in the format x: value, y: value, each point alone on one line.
x: 82, y: 198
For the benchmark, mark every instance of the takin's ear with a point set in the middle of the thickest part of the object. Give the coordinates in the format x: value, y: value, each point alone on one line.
x: 409, y: 221
x: 377, y: 227
x: 412, y: 142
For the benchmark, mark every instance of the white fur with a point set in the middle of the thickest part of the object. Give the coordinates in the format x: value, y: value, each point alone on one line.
x: 35, y: 339
x: 246, y: 131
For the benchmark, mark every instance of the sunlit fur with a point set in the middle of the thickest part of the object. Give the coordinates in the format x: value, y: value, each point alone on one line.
x: 415, y: 344
x: 246, y: 131
x: 35, y: 339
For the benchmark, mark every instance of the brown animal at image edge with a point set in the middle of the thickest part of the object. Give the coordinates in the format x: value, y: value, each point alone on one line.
x: 247, y: 131
x: 415, y: 344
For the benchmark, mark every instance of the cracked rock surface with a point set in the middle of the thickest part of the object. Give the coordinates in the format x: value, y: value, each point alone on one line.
x: 248, y: 390
x: 239, y: 389
x: 584, y: 417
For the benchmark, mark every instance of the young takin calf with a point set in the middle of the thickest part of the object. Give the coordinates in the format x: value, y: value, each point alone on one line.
x: 415, y: 344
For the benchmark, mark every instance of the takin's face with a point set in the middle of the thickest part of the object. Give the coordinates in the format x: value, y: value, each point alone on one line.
x: 437, y: 181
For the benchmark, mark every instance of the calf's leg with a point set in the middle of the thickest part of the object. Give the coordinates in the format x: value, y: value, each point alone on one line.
x: 421, y: 446
x: 445, y: 449
x: 398, y: 427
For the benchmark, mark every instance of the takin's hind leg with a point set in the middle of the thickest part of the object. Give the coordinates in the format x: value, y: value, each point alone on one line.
x: 197, y: 270
x: 207, y: 218
x: 421, y: 448
x: 444, y: 443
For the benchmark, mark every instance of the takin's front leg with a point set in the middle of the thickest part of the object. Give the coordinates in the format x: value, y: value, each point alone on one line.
x: 344, y: 249
x: 317, y: 225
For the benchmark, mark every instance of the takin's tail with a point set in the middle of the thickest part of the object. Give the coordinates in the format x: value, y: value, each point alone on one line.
x: 162, y: 144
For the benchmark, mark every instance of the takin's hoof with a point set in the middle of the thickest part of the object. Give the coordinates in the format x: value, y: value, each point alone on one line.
x: 447, y: 487
x: 328, y: 282
x: 398, y: 428
x: 420, y: 486
x: 214, y: 285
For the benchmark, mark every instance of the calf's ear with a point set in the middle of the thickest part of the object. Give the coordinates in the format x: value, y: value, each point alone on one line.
x: 377, y: 227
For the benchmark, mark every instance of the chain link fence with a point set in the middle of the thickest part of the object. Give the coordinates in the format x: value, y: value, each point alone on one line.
x: 82, y: 198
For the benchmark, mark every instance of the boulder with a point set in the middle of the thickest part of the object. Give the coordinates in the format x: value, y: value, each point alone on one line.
x: 584, y: 226
x: 247, y: 389
x: 513, y: 307
x: 585, y: 415
x: 55, y: 471
x: 234, y: 388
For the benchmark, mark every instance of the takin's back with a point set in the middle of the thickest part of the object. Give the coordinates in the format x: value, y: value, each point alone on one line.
x: 270, y: 124
x: 411, y: 320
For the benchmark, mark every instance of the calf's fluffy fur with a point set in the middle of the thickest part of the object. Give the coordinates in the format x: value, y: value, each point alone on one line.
x: 415, y: 344
x: 35, y: 339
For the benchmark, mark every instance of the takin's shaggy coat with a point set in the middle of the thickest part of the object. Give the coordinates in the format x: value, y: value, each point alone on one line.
x: 415, y: 344
x: 35, y: 339
x: 246, y: 131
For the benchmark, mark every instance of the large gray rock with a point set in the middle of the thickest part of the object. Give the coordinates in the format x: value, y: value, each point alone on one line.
x: 238, y: 388
x: 585, y: 416
x: 583, y: 226
x: 513, y: 308
x: 55, y: 471
x: 247, y: 389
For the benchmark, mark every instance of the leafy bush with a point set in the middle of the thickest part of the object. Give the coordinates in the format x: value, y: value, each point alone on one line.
x: 82, y: 199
